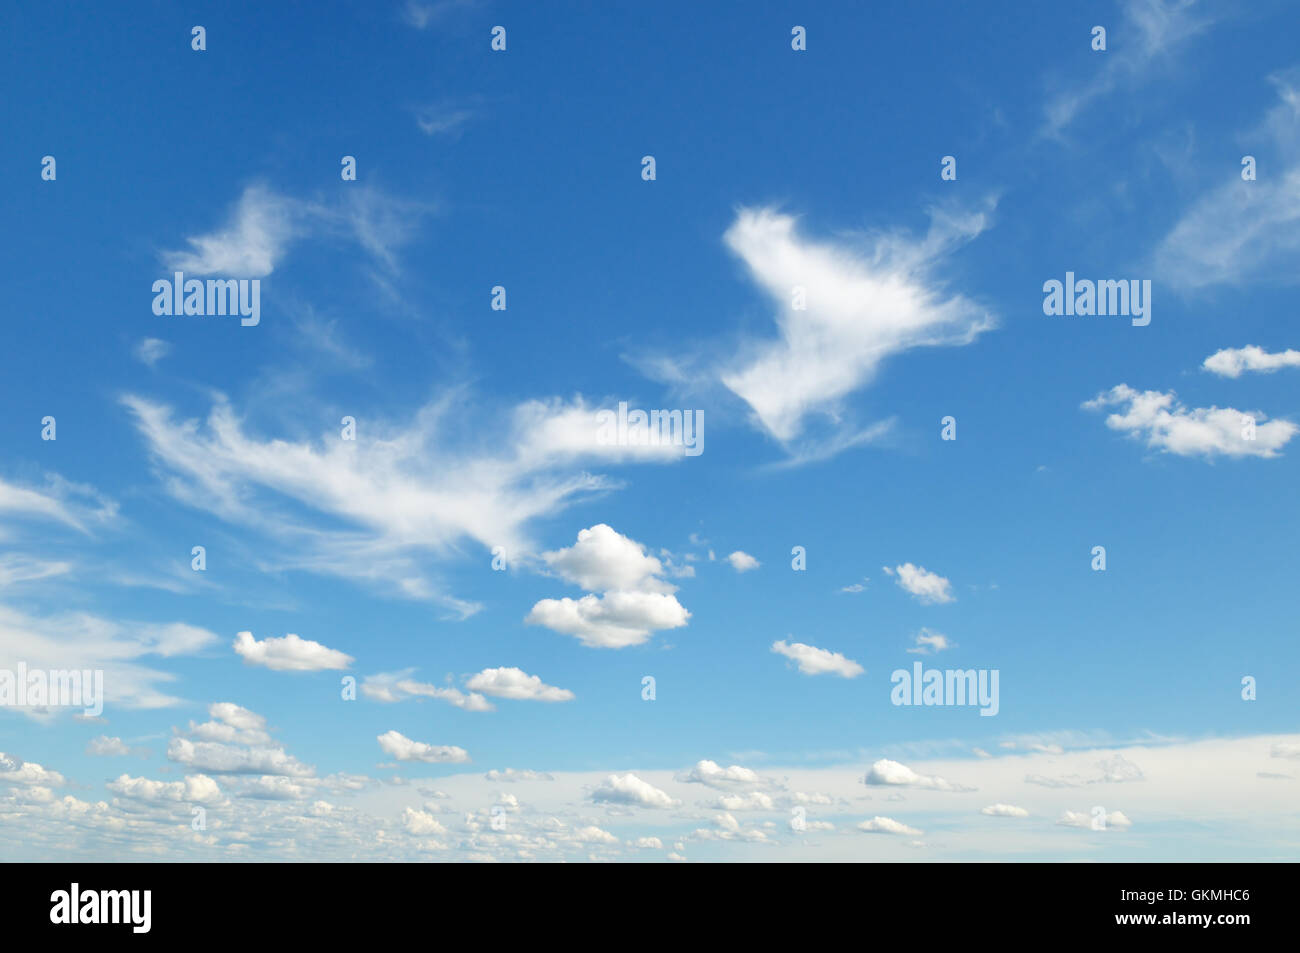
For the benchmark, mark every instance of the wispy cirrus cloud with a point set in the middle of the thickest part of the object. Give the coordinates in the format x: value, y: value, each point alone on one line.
x: 400, y: 493
x: 843, y: 309
x: 1149, y: 35
x: 264, y: 224
x: 1244, y: 231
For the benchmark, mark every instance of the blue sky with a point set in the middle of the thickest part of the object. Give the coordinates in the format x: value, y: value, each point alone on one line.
x: 775, y: 168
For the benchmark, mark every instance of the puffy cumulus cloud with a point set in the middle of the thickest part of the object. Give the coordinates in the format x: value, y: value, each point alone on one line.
x: 752, y: 801
x: 1284, y: 749
x: 272, y: 788
x: 232, y: 724
x: 404, y: 749
x: 603, y: 559
x: 893, y: 774
x: 1004, y: 810
x: 742, y: 562
x: 887, y: 825
x: 105, y: 746
x: 14, y: 770
x: 197, y: 788
x: 861, y: 307
x: 594, y: 835
x: 289, y: 654
x: 1167, y: 425
x: 394, y: 687
x: 613, y: 621
x: 716, y: 776
x: 235, y: 759
x: 421, y: 823
x: 234, y: 741
x: 1235, y: 361
x: 1114, y: 821
x: 516, y: 684
x: 726, y: 827
x: 928, y: 642
x: 631, y: 790
x: 635, y: 602
x: 928, y: 587
x: 647, y: 843
x: 814, y: 661
x: 512, y: 775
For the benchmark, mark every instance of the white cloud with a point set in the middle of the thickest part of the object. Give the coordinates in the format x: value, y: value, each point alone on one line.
x: 251, y: 243
x: 289, y: 654
x: 1115, y: 820
x: 196, y: 788
x: 631, y: 790
x: 395, y: 494
x: 887, y: 825
x: 442, y: 119
x: 636, y: 601
x: 220, y: 758
x: 1242, y: 232
x: 893, y: 774
x: 594, y: 835
x: 512, y: 775
x: 404, y: 749
x: 1150, y: 33
x: 235, y: 741
x: 742, y: 561
x: 516, y: 684
x: 928, y: 587
x: 753, y: 801
x: 930, y: 643
x: 16, y: 771
x: 17, y: 567
x: 862, y: 307
x: 614, y: 620
x: 81, y: 641
x: 1167, y: 425
x: 1004, y: 810
x: 814, y: 661
x: 421, y: 823
x: 105, y: 746
x: 60, y: 501
x: 603, y: 559
x: 151, y: 350
x: 1234, y: 361
x: 421, y: 15
x: 398, y: 686
x: 712, y: 774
